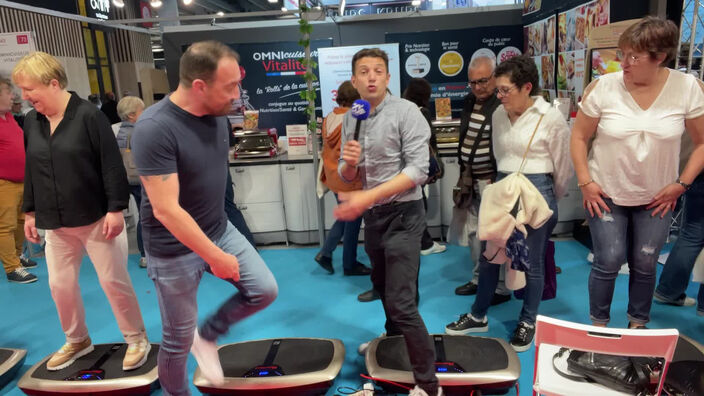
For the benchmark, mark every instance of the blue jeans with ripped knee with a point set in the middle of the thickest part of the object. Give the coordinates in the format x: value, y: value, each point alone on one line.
x: 612, y: 235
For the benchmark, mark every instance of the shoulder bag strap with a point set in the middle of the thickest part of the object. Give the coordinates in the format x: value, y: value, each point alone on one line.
x: 523, y: 162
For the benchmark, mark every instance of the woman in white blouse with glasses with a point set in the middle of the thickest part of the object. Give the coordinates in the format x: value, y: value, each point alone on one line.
x: 629, y: 181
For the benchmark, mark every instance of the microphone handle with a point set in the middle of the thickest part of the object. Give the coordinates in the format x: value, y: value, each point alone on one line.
x: 356, y: 129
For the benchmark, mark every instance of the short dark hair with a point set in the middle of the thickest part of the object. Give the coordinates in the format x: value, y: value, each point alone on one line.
x: 520, y: 70
x: 346, y: 94
x: 652, y: 35
x: 201, y: 60
x: 370, y: 53
x: 418, y: 91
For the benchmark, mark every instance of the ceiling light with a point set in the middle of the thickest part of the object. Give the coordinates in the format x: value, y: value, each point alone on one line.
x: 342, y: 7
x: 415, y: 3
x: 187, y: 2
x: 273, y: 1
x: 220, y: 13
x: 118, y: 3
x: 284, y: 9
x: 155, y: 3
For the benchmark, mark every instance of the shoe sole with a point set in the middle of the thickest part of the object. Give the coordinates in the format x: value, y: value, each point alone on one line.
x: 23, y: 281
x: 433, y: 252
x: 366, y: 301
x: 141, y: 362
x: 521, y: 348
x: 661, y: 300
x: 79, y: 354
x: 29, y: 266
x: 330, y: 271
x: 467, y: 331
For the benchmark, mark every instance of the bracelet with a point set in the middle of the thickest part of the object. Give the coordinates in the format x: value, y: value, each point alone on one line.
x: 683, y: 184
x: 584, y: 184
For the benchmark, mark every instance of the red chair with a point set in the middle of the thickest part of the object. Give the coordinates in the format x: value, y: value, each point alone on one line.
x: 553, y: 334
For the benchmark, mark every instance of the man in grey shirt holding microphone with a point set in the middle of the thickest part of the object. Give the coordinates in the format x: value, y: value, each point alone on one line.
x: 391, y: 158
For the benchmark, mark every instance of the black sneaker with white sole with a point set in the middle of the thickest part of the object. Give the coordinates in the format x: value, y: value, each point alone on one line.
x: 27, y: 262
x: 467, y: 324
x: 523, y: 337
x: 20, y: 275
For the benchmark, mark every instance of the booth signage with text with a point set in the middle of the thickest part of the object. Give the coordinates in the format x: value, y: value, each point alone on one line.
x: 442, y: 57
x: 335, y: 64
x: 273, y: 80
x: 13, y: 46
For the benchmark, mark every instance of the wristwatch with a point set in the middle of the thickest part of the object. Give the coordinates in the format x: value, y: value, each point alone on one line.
x: 683, y: 184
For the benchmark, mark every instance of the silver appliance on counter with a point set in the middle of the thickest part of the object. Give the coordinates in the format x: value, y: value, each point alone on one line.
x: 255, y: 143
x: 447, y: 133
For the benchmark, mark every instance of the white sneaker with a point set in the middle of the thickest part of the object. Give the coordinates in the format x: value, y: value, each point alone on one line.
x: 590, y: 257
x: 206, y: 354
x: 417, y: 391
x: 624, y: 269
x: 362, y: 348
x: 436, y: 248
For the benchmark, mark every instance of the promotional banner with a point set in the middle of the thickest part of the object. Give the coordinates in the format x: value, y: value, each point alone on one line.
x: 273, y: 79
x: 539, y: 42
x: 574, y: 27
x: 335, y: 64
x: 13, y: 46
x: 442, y: 57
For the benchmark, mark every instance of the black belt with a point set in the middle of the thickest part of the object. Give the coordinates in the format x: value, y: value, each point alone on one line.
x: 391, y: 207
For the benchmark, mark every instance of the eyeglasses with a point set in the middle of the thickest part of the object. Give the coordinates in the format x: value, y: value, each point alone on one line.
x: 630, y: 59
x: 503, y: 91
x: 482, y: 82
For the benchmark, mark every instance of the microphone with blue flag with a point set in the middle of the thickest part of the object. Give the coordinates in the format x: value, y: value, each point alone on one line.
x: 360, y: 111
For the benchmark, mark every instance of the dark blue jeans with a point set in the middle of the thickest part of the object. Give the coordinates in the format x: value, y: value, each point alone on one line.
x: 537, y: 242
x: 136, y: 192
x: 348, y: 231
x: 627, y: 234
x: 678, y: 268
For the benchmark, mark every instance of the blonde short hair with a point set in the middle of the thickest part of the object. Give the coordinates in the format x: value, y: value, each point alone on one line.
x: 129, y: 105
x: 41, y: 67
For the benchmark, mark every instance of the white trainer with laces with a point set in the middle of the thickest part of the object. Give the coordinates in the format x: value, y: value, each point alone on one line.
x: 436, y: 248
x: 206, y: 354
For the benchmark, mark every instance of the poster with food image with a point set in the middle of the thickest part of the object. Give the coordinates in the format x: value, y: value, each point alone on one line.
x: 563, y: 42
x: 580, y: 37
x: 541, y: 46
x: 604, y: 61
x: 547, y: 71
x: 571, y: 16
x: 573, y: 29
x: 531, y: 6
x: 549, y: 36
